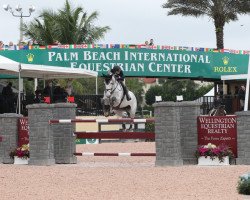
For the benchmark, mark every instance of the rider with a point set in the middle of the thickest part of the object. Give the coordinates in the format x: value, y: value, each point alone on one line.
x: 117, y: 71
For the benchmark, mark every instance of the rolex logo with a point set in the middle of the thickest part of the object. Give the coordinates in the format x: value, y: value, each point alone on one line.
x: 30, y: 57
x: 225, y: 60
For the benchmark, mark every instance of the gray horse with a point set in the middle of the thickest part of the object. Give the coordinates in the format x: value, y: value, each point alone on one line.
x: 115, y: 101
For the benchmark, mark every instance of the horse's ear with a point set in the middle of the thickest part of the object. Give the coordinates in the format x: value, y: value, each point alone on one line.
x: 106, y: 76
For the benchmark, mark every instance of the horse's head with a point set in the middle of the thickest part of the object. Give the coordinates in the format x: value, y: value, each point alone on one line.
x: 109, y: 81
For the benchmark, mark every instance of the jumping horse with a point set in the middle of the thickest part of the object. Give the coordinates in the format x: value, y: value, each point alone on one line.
x: 115, y: 101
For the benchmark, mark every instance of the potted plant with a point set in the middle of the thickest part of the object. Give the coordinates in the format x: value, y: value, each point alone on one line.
x: 244, y: 185
x: 211, y: 154
x: 21, y: 154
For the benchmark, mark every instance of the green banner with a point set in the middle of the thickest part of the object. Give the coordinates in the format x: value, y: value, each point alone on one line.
x: 139, y: 62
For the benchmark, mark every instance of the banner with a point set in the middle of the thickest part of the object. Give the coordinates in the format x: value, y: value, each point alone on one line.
x: 138, y: 62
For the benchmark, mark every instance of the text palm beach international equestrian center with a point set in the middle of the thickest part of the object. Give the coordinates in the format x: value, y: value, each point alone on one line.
x: 131, y: 61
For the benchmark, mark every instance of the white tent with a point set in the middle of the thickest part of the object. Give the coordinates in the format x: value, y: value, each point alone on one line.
x: 8, y: 66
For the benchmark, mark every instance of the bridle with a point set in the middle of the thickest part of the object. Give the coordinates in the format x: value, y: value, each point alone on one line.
x: 112, y: 89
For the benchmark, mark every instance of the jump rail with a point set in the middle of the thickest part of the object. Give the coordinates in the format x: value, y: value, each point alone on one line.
x: 114, y: 154
x: 123, y: 120
x: 115, y: 135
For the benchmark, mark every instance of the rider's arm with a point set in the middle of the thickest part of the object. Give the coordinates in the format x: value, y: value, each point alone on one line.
x: 121, y: 76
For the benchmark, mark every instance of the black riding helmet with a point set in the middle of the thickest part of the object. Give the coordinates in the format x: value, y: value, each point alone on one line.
x: 116, y: 68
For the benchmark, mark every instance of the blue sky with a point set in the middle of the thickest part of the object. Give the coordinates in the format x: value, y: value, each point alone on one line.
x: 134, y: 21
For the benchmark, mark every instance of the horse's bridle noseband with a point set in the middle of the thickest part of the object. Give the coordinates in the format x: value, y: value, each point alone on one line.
x: 112, y: 91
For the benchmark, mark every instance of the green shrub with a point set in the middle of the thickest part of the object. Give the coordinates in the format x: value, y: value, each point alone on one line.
x: 244, y: 185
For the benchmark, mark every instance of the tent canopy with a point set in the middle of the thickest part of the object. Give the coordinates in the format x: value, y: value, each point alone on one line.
x: 234, y: 77
x: 11, y: 67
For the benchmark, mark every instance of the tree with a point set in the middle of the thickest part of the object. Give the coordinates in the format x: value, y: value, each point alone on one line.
x: 172, y: 88
x: 220, y: 11
x: 152, y: 92
x: 66, y: 26
x: 135, y: 86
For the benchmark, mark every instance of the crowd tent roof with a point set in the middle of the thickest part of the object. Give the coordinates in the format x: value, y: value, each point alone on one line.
x: 234, y: 77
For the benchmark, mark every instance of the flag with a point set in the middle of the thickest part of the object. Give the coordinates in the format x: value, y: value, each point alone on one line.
x: 190, y: 48
x: 125, y: 46
x: 23, y: 47
x: 132, y: 46
x: 183, y: 48
x: 142, y: 46
x: 35, y: 46
x: 63, y: 46
x: 226, y: 51
x: 176, y: 48
x: 52, y: 47
x: 152, y: 47
x: 165, y: 47
x: 171, y: 47
x: 115, y: 46
x: 98, y: 46
x: 246, y: 52
x: 84, y: 46
x: 91, y: 46
x: 42, y: 47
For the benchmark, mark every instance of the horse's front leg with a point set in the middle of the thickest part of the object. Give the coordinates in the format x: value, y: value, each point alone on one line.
x: 106, y: 106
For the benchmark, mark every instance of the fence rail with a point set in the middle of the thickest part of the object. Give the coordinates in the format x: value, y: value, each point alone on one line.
x: 90, y: 105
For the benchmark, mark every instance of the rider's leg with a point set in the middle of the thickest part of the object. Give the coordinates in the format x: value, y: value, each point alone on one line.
x: 125, y: 90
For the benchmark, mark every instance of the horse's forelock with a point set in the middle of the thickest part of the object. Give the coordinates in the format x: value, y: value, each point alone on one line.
x: 107, y: 80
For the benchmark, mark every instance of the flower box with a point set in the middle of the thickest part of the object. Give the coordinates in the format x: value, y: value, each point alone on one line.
x: 20, y: 161
x: 211, y: 154
x: 21, y: 154
x: 208, y: 161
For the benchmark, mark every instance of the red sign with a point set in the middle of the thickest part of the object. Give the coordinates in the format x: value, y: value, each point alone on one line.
x: 218, y: 130
x: 47, y: 100
x: 71, y: 99
x: 23, y: 131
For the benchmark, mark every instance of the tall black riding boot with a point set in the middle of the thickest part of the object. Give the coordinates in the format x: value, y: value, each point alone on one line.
x: 127, y: 94
x: 126, y: 91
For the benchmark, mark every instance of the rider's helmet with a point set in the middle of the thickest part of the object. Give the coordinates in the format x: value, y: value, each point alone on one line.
x: 117, y: 69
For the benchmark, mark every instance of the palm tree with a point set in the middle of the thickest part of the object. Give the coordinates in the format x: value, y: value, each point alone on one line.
x: 220, y: 11
x: 67, y: 26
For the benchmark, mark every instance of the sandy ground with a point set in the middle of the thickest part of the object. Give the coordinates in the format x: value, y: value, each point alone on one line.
x: 119, y: 178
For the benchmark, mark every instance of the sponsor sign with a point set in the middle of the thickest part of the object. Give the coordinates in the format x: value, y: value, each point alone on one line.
x: 218, y: 130
x: 137, y: 62
x: 23, y: 131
